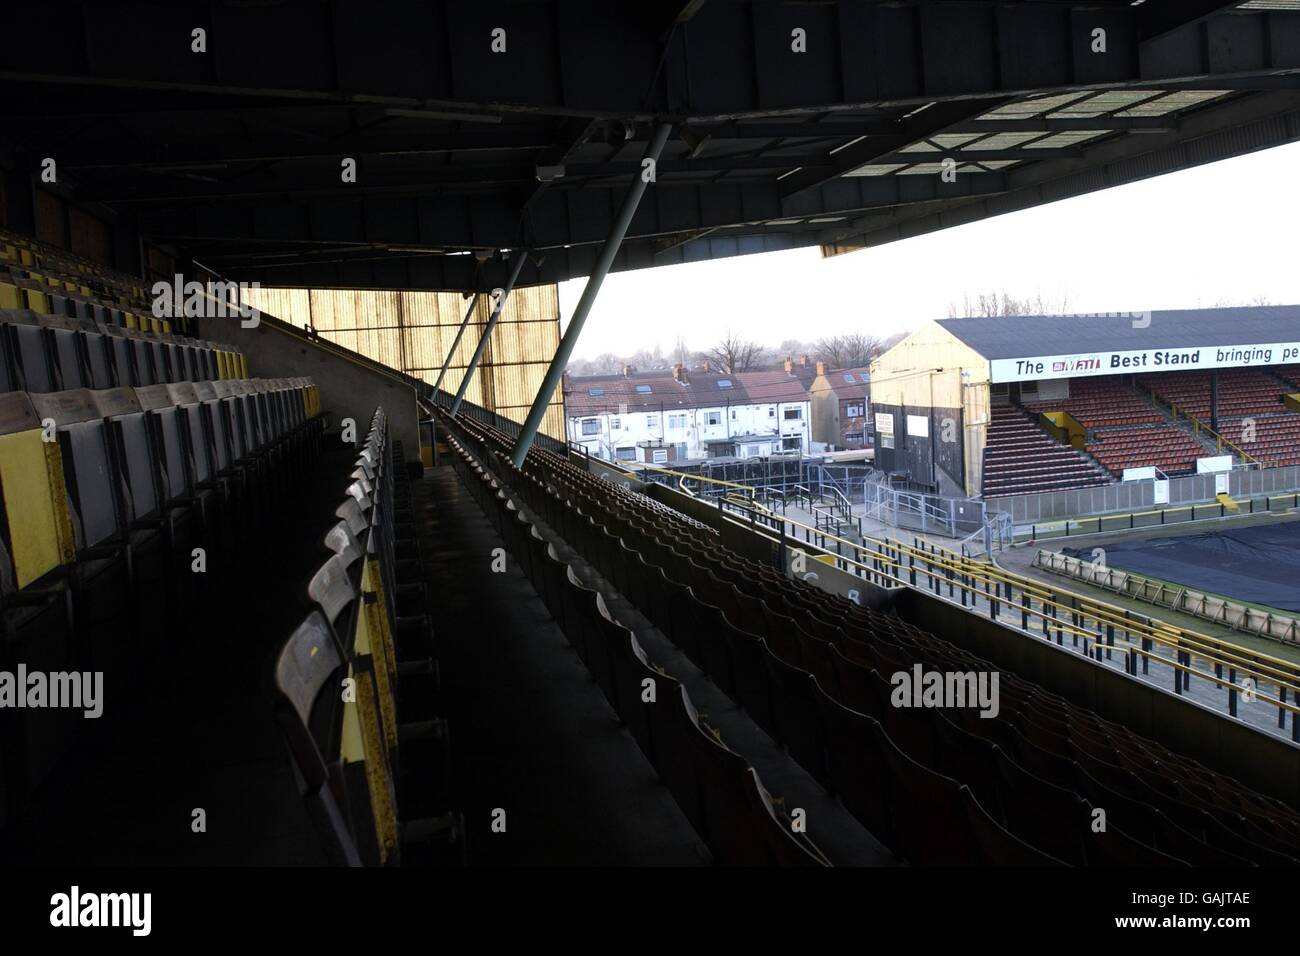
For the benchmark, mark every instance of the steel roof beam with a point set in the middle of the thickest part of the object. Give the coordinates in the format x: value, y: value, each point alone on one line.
x: 566, y: 60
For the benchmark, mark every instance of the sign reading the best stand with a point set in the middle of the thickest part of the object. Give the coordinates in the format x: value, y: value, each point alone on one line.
x: 1146, y: 360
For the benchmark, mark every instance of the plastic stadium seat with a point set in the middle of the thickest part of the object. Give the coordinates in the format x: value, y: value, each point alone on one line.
x: 930, y: 822
x: 782, y: 846
x: 998, y: 846
x: 67, y: 354
x: 727, y: 815
x: 797, y: 716
x: 38, y: 532
x: 99, y: 360
x: 87, y: 469
x: 306, y: 681
x: 28, y: 350
x: 858, y: 772
x: 1049, y: 817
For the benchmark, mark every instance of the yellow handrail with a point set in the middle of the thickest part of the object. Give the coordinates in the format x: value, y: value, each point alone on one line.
x: 1210, y: 649
x: 681, y: 474
x: 1245, y: 456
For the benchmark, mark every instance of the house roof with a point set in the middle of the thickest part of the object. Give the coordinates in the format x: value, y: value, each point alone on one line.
x: 652, y: 391
x: 837, y: 381
x: 1028, y: 336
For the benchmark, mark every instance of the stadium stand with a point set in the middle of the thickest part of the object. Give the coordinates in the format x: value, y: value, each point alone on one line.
x: 121, y: 452
x: 297, y: 691
x: 810, y: 669
x: 1133, y: 392
x: 720, y: 794
x: 354, y: 752
x: 1098, y: 403
x: 1165, y: 447
x: 1021, y: 458
x: 1248, y: 405
x: 1124, y: 431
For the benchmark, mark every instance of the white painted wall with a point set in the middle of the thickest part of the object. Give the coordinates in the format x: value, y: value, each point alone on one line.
x: 692, y: 428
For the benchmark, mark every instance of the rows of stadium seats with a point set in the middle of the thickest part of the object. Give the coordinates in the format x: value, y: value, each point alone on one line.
x: 58, y: 272
x: 1290, y: 374
x: 68, y: 323
x: 1020, y: 458
x: 1124, y: 430
x: 717, y: 790
x: 119, y: 509
x: 356, y: 682
x: 1163, y: 446
x: 935, y: 785
x: 47, y: 353
x: 1103, y: 402
x: 1241, y: 392
x: 1250, y: 409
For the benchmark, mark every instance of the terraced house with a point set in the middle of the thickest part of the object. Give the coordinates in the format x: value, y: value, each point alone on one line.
x: 687, y: 414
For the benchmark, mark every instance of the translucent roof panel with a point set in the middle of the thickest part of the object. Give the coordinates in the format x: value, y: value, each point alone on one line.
x: 1003, y: 141
x: 1063, y: 140
x: 1173, y: 103
x: 932, y: 168
x: 1108, y: 101
x: 1033, y: 106
x: 875, y: 169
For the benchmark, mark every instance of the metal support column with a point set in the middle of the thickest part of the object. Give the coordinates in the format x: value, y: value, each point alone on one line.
x: 520, y: 256
x: 455, y: 343
x: 1214, y: 400
x: 561, y: 359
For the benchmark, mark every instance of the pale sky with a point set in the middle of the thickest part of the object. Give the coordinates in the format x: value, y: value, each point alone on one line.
x: 1229, y: 231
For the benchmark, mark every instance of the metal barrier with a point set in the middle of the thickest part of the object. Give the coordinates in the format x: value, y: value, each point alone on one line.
x: 1155, y: 518
x: 1103, y: 632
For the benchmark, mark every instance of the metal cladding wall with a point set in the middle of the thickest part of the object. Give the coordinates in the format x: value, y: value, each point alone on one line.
x: 412, y: 332
x: 937, y: 456
x: 932, y: 368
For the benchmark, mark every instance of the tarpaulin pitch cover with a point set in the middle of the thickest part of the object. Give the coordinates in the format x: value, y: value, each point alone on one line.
x: 1259, y: 565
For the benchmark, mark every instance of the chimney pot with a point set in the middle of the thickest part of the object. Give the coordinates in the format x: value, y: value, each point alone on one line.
x: 821, y: 368
x: 789, y: 365
x: 803, y: 360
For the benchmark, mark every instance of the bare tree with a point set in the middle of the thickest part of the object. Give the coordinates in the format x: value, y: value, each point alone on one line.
x: 734, y: 354
x: 847, y: 351
x: 987, y: 304
x: 830, y: 351
x: 1256, y: 300
x: 793, y: 348
x: 860, y: 349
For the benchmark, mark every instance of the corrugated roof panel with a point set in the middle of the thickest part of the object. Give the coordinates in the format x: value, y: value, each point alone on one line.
x: 413, y: 331
x: 1026, y: 336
